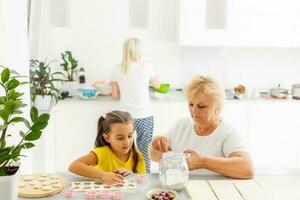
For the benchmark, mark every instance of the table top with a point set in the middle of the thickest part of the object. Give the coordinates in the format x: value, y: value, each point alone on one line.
x: 275, y: 187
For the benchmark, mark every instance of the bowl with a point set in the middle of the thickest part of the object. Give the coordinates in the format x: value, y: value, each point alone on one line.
x: 88, y: 92
x: 159, y: 191
x: 163, y: 88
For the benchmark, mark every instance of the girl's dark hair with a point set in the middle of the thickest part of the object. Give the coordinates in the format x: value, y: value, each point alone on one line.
x: 104, y: 126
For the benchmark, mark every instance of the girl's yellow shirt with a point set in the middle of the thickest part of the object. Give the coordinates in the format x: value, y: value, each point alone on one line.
x: 108, y: 161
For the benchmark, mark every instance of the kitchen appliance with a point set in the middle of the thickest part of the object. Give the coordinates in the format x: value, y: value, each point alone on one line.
x: 279, y: 93
x: 296, y: 91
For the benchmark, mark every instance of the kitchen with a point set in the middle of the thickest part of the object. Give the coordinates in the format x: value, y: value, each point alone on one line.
x: 255, y: 45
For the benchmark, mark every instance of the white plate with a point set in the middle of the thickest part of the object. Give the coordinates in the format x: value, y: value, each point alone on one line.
x: 151, y: 192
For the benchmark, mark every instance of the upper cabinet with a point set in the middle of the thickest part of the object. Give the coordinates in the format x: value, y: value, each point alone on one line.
x: 240, y: 23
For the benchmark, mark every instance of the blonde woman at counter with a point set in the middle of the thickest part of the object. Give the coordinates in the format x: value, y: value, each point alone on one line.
x: 130, y: 81
x: 210, y: 143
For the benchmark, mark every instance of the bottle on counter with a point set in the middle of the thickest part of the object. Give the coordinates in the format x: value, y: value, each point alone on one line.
x: 81, y: 75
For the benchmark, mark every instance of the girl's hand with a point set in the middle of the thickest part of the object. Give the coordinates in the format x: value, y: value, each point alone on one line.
x: 123, y: 172
x: 110, y: 178
x: 160, y: 144
x: 194, y: 160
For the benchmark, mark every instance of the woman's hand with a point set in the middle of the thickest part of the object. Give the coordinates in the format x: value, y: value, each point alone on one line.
x: 194, y: 160
x: 111, y: 178
x: 97, y: 82
x: 160, y: 144
x: 123, y: 172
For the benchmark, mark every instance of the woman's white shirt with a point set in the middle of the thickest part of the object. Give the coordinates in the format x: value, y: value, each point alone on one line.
x: 134, y: 88
x: 220, y: 143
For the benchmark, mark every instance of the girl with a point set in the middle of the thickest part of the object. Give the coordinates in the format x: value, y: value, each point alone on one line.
x: 115, y: 154
x: 131, y: 82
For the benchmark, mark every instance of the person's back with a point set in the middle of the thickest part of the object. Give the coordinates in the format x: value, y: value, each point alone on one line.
x: 134, y: 89
x: 131, y: 81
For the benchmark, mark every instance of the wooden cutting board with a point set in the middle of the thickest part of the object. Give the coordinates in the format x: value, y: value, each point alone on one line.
x: 41, y: 185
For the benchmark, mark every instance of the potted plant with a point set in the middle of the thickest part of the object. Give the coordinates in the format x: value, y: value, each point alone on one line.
x: 43, y: 89
x: 11, y: 115
x: 70, y: 67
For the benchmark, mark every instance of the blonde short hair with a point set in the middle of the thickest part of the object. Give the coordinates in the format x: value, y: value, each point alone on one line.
x: 131, y: 52
x: 207, y: 87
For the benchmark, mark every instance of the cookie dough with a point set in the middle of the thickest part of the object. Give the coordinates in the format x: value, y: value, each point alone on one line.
x: 42, y: 179
x: 46, y: 188
x: 34, y: 182
x: 28, y: 178
x: 44, y: 175
x: 58, y: 185
x: 46, y: 183
x: 37, y: 186
x: 22, y: 184
x: 55, y: 177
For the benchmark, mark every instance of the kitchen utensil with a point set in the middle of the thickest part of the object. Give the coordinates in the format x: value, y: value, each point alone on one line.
x: 279, y: 93
x: 296, y: 91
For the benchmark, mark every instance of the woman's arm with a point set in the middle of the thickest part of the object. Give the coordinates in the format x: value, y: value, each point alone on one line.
x: 237, y: 165
x: 82, y: 167
x: 157, y: 147
x: 115, y: 91
x: 154, y: 81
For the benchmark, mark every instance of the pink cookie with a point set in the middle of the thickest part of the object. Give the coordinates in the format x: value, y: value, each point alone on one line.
x: 91, y: 194
x: 117, y: 195
x: 141, y: 178
x: 69, y: 193
x: 105, y: 194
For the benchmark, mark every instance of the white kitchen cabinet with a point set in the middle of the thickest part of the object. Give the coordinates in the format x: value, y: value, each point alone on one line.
x: 248, y: 23
x: 274, y: 134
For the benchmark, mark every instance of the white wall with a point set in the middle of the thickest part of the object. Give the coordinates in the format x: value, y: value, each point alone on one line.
x: 14, y: 54
x: 97, y: 29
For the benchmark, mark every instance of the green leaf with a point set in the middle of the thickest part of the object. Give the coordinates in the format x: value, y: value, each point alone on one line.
x: 2, y: 127
x: 10, y: 106
x: 5, y: 151
x: 2, y: 172
x: 37, y: 126
x: 4, y: 158
x: 2, y: 143
x: 2, y: 101
x: 17, y: 119
x: 27, y: 145
x: 12, y: 84
x: 5, y: 75
x: 22, y: 134
x: 34, y: 114
x: 27, y: 124
x: 44, y: 118
x: 33, y: 135
x: 4, y: 114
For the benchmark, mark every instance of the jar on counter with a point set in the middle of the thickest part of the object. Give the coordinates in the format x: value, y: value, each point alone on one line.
x: 173, y: 170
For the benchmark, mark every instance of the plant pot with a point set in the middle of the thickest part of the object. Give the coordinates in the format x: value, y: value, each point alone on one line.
x: 71, y: 87
x: 9, y: 186
x: 43, y: 103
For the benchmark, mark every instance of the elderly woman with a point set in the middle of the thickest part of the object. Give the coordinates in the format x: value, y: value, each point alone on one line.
x: 209, y: 141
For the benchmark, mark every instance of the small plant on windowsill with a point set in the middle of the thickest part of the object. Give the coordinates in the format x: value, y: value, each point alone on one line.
x: 11, y: 114
x: 42, y: 81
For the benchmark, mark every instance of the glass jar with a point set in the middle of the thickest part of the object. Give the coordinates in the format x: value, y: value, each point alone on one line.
x: 173, y: 171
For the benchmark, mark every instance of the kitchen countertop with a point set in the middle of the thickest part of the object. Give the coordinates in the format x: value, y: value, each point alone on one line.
x: 172, y: 96
x: 275, y: 187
